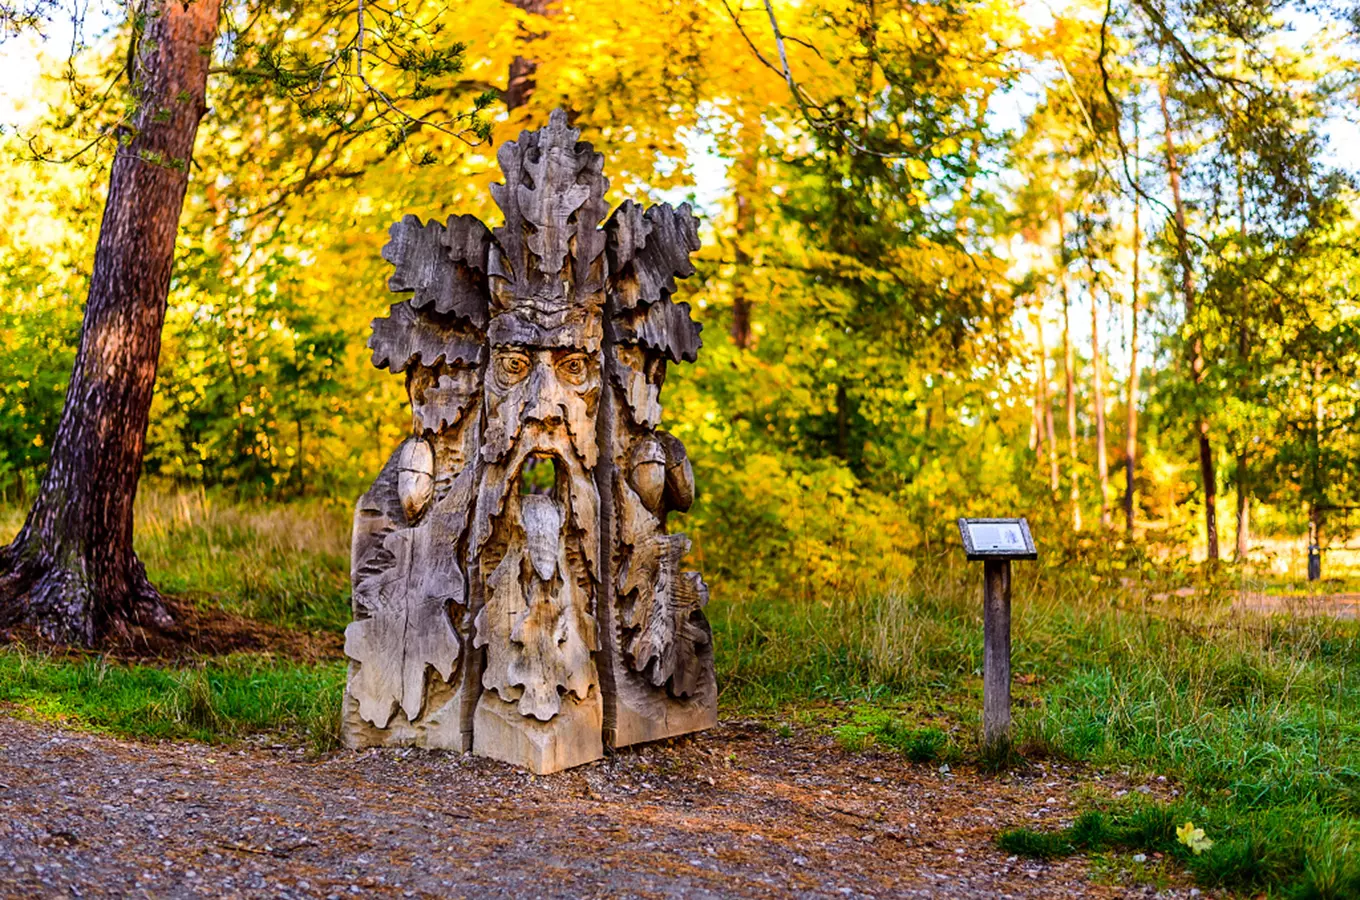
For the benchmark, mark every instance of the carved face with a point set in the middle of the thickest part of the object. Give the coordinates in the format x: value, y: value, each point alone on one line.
x: 541, y: 401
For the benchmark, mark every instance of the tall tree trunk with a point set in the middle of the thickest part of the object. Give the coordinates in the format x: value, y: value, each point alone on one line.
x: 1074, y: 492
x: 519, y: 83
x: 1243, y: 354
x: 72, y: 570
x: 1069, y: 366
x: 1242, y: 487
x: 1098, y: 405
x: 1131, y: 413
x: 1206, y: 451
x: 1053, y: 477
x: 744, y: 189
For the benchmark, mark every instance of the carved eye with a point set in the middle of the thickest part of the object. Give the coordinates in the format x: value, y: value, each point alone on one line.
x: 512, y: 368
x: 573, y: 369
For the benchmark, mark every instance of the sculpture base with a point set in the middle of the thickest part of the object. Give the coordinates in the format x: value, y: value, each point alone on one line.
x: 570, y: 738
x: 642, y: 713
x: 444, y: 725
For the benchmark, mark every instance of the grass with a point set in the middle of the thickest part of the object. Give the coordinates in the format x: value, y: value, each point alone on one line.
x: 284, y: 564
x: 219, y: 701
x: 1257, y: 721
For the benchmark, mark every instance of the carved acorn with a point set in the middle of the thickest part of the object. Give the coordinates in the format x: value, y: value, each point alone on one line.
x: 679, y: 473
x: 415, y: 477
x: 648, y: 474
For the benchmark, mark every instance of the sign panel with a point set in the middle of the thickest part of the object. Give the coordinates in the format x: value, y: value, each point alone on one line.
x: 997, y: 539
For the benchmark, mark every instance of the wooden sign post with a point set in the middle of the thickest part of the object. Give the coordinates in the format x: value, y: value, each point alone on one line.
x: 996, y: 542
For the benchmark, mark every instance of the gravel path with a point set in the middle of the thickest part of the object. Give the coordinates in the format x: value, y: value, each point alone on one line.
x: 738, y: 812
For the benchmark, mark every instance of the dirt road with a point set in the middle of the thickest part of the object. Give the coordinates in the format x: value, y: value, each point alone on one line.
x: 739, y: 812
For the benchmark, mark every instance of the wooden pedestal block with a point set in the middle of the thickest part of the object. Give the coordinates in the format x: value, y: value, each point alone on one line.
x: 570, y: 738
x: 642, y: 713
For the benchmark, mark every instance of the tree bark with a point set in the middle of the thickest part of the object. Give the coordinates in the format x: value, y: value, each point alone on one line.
x: 1131, y: 413
x: 72, y: 571
x: 1047, y: 406
x: 1243, y: 534
x: 1206, y: 452
x: 1098, y: 407
x: 1069, y: 365
x: 519, y: 83
x: 745, y: 233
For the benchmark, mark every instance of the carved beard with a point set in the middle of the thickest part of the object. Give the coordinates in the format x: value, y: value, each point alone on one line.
x: 536, y: 622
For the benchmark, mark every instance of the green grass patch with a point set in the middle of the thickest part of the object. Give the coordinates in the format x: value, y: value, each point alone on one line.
x: 221, y: 701
x: 872, y: 726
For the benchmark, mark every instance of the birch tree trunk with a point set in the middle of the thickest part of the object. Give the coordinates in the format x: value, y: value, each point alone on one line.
x: 1047, y: 407
x: 1196, y: 355
x: 1069, y: 366
x: 72, y: 571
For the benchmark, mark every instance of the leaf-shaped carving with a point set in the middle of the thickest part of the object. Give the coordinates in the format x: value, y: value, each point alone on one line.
x: 663, y: 614
x: 403, y: 596
x: 663, y: 327
x: 649, y: 250
x: 553, y: 202
x: 444, y: 265
x: 407, y: 337
x: 539, y: 634
x: 442, y: 396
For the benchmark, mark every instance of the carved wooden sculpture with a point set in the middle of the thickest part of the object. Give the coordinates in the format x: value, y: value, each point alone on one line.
x: 533, y: 626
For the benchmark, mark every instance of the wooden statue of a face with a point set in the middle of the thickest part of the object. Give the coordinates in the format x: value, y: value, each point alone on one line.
x: 485, y: 604
x: 541, y: 402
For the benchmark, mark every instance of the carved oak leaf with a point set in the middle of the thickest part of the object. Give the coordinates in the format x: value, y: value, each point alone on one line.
x: 553, y: 199
x: 548, y: 207
x: 407, y: 337
x: 441, y: 399
x: 403, y: 595
x: 664, y: 622
x: 664, y: 327
x: 444, y: 265
x: 649, y: 249
x: 538, y: 644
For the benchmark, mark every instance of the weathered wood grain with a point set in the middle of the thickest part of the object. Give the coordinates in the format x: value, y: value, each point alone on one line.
x: 407, y: 337
x: 444, y: 266
x: 545, y: 339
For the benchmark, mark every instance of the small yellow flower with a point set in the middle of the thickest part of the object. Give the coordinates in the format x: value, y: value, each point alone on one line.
x: 1194, y: 838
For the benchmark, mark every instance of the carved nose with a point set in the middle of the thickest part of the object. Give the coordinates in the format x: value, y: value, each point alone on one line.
x: 546, y: 405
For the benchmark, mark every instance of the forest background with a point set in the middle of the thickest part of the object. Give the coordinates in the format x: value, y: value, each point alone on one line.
x: 1090, y: 263
x: 924, y: 244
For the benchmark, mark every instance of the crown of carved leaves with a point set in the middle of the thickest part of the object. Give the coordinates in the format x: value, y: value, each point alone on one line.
x: 549, y: 274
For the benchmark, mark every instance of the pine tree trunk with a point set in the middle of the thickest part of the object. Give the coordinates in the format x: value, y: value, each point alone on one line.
x: 745, y: 233
x: 1243, y: 353
x: 72, y: 571
x: 519, y: 83
x: 1206, y: 452
x: 1098, y: 407
x: 1131, y: 420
